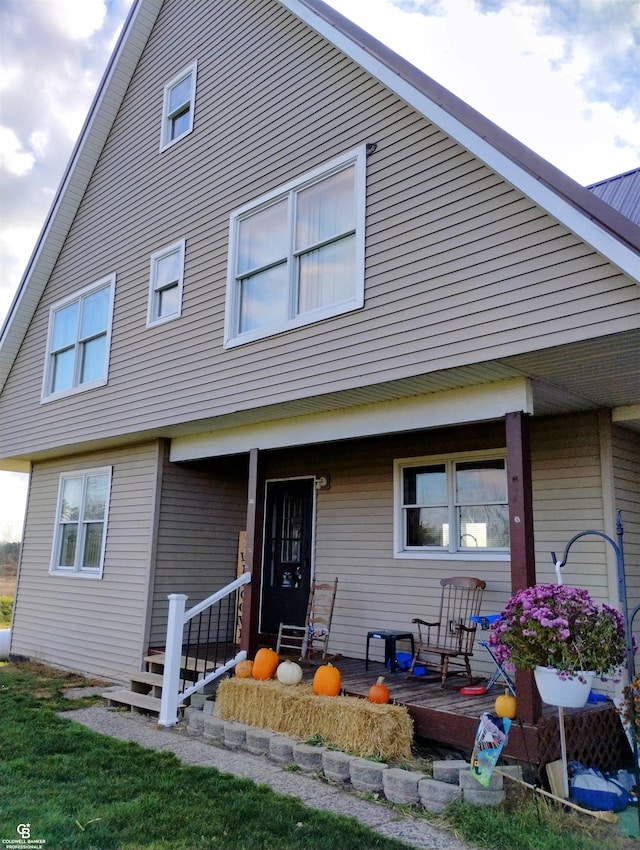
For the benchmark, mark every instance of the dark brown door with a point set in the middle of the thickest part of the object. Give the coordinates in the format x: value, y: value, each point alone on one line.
x: 286, y: 562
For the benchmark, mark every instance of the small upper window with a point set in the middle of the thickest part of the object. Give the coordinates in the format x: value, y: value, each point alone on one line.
x: 178, y: 106
x: 296, y: 255
x: 81, y: 522
x: 78, y: 341
x: 452, y: 505
x: 165, y: 284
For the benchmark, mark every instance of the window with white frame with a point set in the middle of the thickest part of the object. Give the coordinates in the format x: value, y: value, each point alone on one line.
x: 78, y: 341
x: 455, y: 505
x: 178, y: 106
x: 81, y: 522
x: 296, y: 255
x: 165, y: 283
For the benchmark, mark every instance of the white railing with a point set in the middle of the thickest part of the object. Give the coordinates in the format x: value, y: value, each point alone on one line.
x: 201, y: 623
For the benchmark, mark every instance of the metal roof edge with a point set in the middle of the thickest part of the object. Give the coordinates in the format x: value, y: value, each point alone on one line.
x: 595, y: 221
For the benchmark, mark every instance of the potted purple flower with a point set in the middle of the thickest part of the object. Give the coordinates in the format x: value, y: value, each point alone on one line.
x: 563, y: 636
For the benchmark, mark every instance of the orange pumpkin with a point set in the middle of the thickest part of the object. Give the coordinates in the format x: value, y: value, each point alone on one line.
x: 379, y: 692
x: 326, y: 681
x: 506, y: 705
x: 265, y: 664
x: 244, y: 668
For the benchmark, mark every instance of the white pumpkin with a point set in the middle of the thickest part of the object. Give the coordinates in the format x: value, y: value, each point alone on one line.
x: 289, y: 673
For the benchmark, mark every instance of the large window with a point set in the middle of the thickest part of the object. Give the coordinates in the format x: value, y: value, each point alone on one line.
x: 165, y: 284
x: 81, y: 522
x: 296, y: 255
x: 452, y: 505
x: 78, y: 341
x: 178, y: 106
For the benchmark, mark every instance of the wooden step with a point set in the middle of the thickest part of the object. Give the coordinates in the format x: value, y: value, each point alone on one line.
x: 124, y: 697
x: 144, y: 677
x: 186, y: 663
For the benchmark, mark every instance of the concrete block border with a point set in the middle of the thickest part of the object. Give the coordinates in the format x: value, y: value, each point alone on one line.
x: 451, y: 781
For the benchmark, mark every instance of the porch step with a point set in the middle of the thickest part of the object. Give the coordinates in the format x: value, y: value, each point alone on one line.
x: 193, y: 665
x: 134, y: 700
x: 146, y: 678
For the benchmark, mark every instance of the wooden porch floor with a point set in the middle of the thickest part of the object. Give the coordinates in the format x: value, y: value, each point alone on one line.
x: 446, y: 717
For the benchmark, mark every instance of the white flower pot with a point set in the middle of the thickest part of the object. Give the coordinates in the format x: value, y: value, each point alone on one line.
x: 568, y: 693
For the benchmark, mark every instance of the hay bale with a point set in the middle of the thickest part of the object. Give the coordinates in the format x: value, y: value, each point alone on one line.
x: 350, y: 724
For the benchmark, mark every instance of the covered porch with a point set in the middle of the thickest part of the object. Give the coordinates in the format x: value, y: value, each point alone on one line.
x: 445, y: 717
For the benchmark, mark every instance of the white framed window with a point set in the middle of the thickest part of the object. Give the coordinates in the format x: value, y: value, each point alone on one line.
x: 452, y: 505
x: 296, y: 255
x: 78, y: 341
x: 166, y: 276
x: 81, y: 522
x: 178, y: 106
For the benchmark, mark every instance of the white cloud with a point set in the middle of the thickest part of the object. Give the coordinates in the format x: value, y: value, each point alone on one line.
x: 13, y: 157
x: 76, y: 19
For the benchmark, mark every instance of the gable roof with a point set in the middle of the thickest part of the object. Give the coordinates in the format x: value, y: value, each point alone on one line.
x: 581, y: 211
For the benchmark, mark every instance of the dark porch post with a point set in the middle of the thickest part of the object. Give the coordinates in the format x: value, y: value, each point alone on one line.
x: 250, y: 602
x: 523, y: 567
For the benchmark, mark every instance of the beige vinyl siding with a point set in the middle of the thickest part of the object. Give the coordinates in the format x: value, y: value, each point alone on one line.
x: 567, y: 499
x: 95, y: 626
x: 202, y: 511
x: 626, y: 466
x: 460, y: 267
x: 354, y: 537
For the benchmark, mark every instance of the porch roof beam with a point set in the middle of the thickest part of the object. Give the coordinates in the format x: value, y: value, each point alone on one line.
x: 433, y: 410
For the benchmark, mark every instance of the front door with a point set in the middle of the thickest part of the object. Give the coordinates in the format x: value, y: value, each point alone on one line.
x: 286, y: 560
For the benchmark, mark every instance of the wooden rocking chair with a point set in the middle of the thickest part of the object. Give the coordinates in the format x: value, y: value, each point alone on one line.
x: 313, y: 636
x: 449, y: 641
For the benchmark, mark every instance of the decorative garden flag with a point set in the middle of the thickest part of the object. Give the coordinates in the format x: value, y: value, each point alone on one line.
x: 490, y: 739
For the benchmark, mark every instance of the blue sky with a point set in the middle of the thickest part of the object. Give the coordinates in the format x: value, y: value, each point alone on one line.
x: 562, y: 76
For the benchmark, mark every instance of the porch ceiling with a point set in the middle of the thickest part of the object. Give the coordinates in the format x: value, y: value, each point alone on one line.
x: 603, y: 372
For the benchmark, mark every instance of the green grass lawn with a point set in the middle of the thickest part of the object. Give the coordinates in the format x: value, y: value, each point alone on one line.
x: 78, y: 789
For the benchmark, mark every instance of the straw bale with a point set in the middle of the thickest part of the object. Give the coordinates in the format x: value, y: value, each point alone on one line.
x: 350, y: 724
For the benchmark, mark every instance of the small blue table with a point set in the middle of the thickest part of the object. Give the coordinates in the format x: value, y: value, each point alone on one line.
x: 485, y: 621
x: 389, y: 638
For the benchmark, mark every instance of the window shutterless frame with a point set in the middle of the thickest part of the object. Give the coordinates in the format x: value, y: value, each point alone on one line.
x: 296, y: 254
x: 79, y: 341
x: 452, y: 506
x: 80, y: 531
x: 178, y: 106
x: 166, y: 277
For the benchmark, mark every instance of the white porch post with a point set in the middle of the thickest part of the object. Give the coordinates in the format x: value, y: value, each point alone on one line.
x: 173, y: 651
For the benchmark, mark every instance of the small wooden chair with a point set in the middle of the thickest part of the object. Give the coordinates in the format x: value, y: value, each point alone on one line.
x: 313, y: 636
x: 449, y: 640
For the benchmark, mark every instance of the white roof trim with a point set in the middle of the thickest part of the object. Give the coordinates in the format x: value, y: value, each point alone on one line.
x: 434, y: 410
x: 604, y: 242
